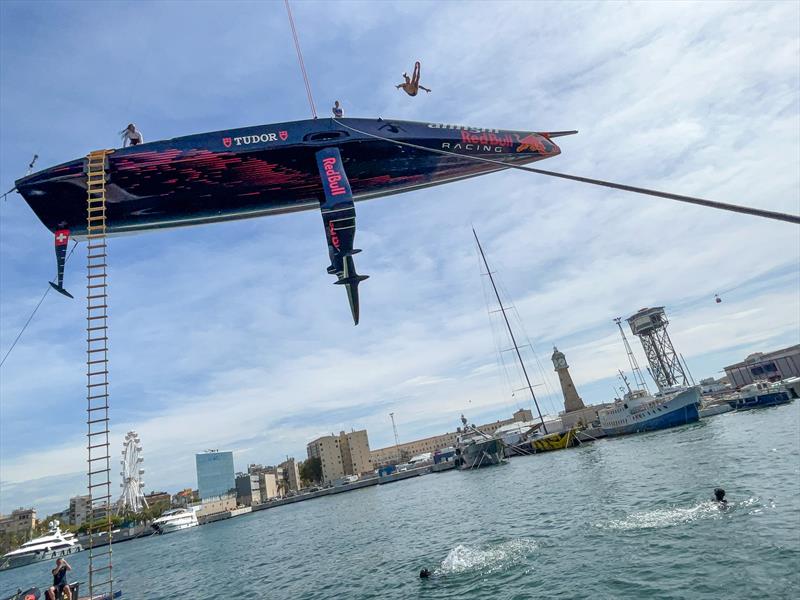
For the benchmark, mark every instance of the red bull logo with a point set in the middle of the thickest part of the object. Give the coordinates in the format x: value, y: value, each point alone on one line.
x: 532, y: 143
x: 333, y: 177
x: 487, y: 139
x: 333, y: 235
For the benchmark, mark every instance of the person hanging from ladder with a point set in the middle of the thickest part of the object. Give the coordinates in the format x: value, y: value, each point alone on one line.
x: 411, y: 85
x: 131, y: 136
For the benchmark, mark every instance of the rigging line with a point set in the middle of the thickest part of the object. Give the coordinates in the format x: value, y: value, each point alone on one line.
x: 300, y: 60
x: 748, y: 210
x: 14, y: 189
x: 24, y: 327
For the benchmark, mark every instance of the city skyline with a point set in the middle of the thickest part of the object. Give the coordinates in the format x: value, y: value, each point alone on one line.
x: 232, y: 336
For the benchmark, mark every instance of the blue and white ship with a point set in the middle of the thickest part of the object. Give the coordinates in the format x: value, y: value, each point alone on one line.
x: 639, y: 411
x: 760, y: 394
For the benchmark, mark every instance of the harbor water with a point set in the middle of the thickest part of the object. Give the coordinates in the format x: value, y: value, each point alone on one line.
x: 621, y: 518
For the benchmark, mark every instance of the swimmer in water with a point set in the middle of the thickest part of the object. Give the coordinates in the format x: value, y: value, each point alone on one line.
x: 719, y: 496
x: 424, y: 574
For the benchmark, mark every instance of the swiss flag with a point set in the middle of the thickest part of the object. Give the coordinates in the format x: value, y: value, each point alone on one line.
x: 62, y: 237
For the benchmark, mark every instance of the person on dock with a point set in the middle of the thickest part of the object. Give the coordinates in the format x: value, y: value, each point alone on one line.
x: 131, y: 136
x: 60, y: 587
x: 411, y: 85
x: 719, y: 495
x: 337, y: 110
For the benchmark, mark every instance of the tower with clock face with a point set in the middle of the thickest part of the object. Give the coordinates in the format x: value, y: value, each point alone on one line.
x: 572, y: 401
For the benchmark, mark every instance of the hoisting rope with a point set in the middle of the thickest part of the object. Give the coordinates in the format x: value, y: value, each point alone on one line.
x: 300, y: 60
x: 748, y: 210
x: 24, y: 327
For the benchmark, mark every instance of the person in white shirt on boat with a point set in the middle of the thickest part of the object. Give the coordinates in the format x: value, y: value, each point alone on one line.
x: 337, y: 110
x: 131, y: 136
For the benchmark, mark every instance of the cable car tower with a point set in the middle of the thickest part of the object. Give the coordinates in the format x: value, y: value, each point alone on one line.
x: 132, y: 498
x: 650, y: 326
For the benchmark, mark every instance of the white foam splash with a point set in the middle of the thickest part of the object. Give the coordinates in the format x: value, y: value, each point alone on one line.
x: 489, y: 559
x: 664, y: 517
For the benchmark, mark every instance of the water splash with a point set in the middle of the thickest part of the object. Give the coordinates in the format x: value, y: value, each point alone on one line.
x: 669, y: 517
x: 488, y: 559
x: 664, y: 517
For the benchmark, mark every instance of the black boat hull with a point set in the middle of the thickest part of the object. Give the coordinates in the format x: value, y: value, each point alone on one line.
x: 268, y: 169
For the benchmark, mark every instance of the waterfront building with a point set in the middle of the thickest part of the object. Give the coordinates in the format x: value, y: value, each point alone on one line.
x: 575, y: 411
x: 248, y: 490
x: 765, y: 366
x: 80, y: 510
x: 21, y: 522
x: 156, y: 497
x: 709, y: 385
x: 185, y: 497
x: 268, y: 485
x: 215, y: 505
x: 345, y: 454
x: 215, y: 474
x: 402, y: 452
x: 291, y: 473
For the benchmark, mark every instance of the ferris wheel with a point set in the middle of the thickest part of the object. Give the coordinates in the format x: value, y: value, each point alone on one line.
x: 132, y: 497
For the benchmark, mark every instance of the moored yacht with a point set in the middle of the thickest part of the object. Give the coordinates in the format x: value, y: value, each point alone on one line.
x: 53, y: 545
x: 759, y: 394
x: 479, y: 451
x: 175, y: 520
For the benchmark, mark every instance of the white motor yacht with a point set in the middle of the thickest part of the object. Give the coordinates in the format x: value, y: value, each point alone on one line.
x: 53, y: 545
x: 175, y: 520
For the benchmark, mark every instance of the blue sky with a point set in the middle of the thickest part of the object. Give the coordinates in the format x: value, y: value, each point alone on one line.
x: 232, y: 336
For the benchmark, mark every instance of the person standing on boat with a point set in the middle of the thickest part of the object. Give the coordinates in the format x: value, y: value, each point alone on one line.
x: 411, y: 85
x: 60, y: 585
x: 131, y: 136
x: 337, y: 110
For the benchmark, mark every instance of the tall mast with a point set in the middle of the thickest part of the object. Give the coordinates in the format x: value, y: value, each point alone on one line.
x: 396, y: 439
x: 637, y: 373
x: 510, y: 332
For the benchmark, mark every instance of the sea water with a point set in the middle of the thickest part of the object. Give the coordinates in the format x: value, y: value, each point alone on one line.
x: 628, y: 517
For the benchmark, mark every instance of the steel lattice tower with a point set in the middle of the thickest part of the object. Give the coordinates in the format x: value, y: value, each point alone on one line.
x: 650, y: 326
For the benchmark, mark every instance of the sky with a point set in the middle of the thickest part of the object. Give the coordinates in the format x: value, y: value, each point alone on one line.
x: 231, y: 336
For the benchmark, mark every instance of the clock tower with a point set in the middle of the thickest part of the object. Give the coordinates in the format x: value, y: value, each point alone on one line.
x: 572, y: 401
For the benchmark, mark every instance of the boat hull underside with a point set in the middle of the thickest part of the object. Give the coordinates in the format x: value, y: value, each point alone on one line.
x: 172, y: 184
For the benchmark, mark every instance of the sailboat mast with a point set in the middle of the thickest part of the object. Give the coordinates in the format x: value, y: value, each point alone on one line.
x: 510, y: 332
x: 637, y: 373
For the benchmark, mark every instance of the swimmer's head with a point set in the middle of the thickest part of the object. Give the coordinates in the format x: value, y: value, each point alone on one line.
x: 719, y: 494
x: 424, y: 574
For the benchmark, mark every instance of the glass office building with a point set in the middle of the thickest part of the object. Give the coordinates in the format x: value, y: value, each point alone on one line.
x: 215, y: 476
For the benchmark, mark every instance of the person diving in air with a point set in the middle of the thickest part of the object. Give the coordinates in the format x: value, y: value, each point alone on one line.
x: 411, y: 85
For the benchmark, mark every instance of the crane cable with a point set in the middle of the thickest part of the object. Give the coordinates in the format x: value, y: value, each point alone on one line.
x: 748, y: 210
x: 24, y: 327
x: 300, y: 60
